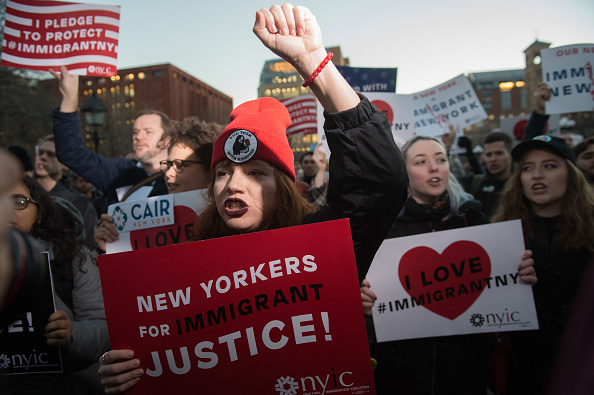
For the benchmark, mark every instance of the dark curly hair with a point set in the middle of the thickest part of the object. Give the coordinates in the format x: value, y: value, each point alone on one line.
x: 197, y: 135
x: 57, y: 226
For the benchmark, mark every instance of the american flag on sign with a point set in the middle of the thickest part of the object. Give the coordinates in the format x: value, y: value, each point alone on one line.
x: 303, y: 112
x: 39, y: 35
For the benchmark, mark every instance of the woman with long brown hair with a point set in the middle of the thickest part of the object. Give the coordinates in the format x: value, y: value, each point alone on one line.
x: 253, y: 186
x: 552, y: 198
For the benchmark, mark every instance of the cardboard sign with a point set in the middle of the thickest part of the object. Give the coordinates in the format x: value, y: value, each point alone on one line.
x: 453, y: 282
x: 303, y: 112
x: 23, y: 350
x: 370, y: 79
x: 452, y: 103
x: 143, y: 214
x: 155, y: 221
x: 261, y: 313
x: 399, y: 111
x: 515, y: 126
x: 39, y: 35
x: 568, y: 72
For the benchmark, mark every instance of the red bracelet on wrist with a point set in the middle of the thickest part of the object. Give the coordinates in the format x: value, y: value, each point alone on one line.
x: 320, y: 67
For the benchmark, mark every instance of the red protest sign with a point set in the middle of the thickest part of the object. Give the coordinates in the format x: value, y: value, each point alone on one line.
x: 423, y: 271
x: 43, y: 34
x: 279, y: 312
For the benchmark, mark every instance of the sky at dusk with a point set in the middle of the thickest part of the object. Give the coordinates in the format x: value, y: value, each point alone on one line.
x: 428, y: 41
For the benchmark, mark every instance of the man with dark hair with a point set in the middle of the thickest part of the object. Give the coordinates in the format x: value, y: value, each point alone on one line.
x: 487, y: 188
x: 584, y: 152
x: 314, y: 175
x: 116, y: 178
x: 49, y: 173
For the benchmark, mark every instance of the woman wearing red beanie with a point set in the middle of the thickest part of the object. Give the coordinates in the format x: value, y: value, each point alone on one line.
x: 253, y: 186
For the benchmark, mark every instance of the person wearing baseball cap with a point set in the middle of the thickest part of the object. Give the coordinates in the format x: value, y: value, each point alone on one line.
x: 253, y: 186
x: 551, y: 197
x: 545, y: 142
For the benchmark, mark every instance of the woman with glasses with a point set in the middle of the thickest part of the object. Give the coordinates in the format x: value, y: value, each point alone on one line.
x: 187, y: 167
x: 78, y: 326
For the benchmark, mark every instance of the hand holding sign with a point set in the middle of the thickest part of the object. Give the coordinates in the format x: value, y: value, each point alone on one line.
x: 106, y: 232
x: 58, y: 330
x: 368, y: 297
x: 68, y: 89
x: 118, y: 371
x: 542, y: 94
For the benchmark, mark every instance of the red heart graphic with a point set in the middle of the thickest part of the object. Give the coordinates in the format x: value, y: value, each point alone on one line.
x: 165, y: 235
x: 446, y: 284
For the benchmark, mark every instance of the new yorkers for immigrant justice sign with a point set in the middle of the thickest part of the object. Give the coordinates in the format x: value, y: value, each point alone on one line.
x: 39, y: 35
x: 453, y: 282
x: 275, y: 312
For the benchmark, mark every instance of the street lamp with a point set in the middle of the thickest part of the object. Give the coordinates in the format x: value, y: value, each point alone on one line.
x: 94, y: 111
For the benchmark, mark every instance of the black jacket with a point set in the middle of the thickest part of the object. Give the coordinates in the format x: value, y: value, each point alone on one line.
x: 559, y: 274
x: 368, y: 181
x: 438, y: 365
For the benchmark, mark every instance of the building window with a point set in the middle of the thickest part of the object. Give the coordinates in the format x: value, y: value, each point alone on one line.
x: 506, y: 100
x: 141, y: 76
x: 157, y: 73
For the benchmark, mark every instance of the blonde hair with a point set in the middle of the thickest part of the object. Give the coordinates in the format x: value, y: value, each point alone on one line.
x: 458, y: 196
x: 574, y: 231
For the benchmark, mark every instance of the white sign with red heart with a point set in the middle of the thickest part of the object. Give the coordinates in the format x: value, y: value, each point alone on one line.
x: 453, y: 282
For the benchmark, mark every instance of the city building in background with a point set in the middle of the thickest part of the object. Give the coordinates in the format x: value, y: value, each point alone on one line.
x: 162, y: 87
x: 281, y: 81
x: 502, y: 94
x: 509, y: 93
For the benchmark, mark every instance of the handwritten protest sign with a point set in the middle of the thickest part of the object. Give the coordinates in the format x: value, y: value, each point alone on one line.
x: 568, y: 72
x: 155, y: 221
x: 452, y: 103
x: 261, y: 313
x: 303, y: 113
x: 23, y: 349
x: 43, y: 34
x: 515, y: 126
x: 452, y: 282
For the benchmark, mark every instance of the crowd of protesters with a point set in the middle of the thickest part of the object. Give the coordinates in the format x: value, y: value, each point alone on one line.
x: 542, y: 181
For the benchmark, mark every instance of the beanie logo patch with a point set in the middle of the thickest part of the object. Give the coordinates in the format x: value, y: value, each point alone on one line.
x: 241, y: 146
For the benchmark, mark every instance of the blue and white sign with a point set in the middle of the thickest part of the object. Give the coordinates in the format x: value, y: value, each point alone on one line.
x: 143, y: 214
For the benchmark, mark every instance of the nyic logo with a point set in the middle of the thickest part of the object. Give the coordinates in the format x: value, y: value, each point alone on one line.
x: 316, y: 384
x: 496, y: 319
x: 286, y: 386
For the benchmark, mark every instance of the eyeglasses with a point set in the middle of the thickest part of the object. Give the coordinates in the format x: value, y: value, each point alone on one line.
x: 40, y: 152
x: 20, y: 202
x: 178, y: 164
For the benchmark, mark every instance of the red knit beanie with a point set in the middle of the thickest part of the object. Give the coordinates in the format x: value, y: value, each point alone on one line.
x: 257, y: 130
